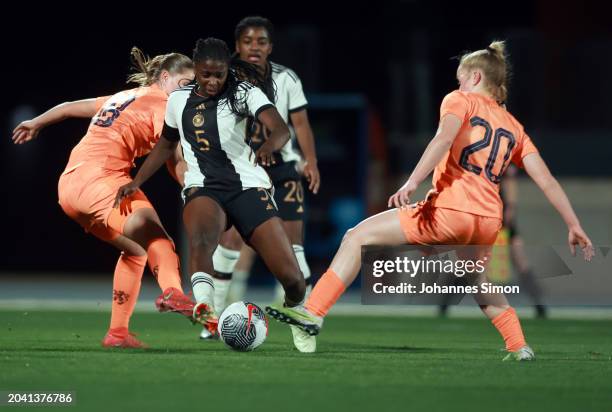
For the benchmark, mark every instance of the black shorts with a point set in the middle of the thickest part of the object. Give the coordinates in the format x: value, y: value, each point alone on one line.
x: 289, y: 197
x: 245, y: 209
x: 282, y: 171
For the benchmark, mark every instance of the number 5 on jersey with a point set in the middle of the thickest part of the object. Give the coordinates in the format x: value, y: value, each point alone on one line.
x: 200, y: 139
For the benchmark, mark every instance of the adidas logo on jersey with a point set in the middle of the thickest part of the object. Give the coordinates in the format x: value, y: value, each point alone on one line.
x: 201, y: 106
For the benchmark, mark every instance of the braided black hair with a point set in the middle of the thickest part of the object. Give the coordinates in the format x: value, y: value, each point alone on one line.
x: 239, y: 71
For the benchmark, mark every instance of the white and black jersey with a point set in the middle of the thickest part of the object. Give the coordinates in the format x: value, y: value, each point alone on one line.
x: 213, y: 138
x: 289, y: 99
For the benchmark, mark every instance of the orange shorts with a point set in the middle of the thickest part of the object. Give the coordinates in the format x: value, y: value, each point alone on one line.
x: 87, y: 193
x: 425, y: 224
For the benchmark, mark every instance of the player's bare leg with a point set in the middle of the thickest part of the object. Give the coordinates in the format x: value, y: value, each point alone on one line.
x: 224, y: 260
x: 271, y: 242
x: 303, y: 341
x: 295, y: 232
x: 225, y: 257
x: 204, y: 223
x: 383, y: 228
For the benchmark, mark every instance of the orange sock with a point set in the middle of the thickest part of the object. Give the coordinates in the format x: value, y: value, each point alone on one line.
x: 126, y: 286
x: 325, y: 293
x: 509, y: 326
x: 164, y: 263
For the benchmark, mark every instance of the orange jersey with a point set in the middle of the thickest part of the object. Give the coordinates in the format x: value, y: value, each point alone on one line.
x: 468, y: 177
x: 126, y: 126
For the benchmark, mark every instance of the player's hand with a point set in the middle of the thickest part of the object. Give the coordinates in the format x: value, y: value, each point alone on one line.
x: 26, y: 131
x: 311, y: 173
x: 402, y: 196
x: 122, y: 200
x: 264, y: 155
x: 577, y: 236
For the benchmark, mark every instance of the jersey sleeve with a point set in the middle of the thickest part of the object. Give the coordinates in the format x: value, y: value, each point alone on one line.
x: 257, y: 101
x: 455, y: 103
x: 170, y: 129
x: 297, y: 100
x: 525, y: 146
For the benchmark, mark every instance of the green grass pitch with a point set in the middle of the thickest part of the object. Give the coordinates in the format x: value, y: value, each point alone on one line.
x: 363, y: 363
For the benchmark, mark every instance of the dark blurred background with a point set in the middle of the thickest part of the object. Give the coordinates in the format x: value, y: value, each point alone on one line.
x: 375, y: 75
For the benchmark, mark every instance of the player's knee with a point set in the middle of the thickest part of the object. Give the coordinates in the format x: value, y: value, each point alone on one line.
x: 134, y: 250
x: 136, y: 258
x: 356, y: 236
x: 143, y: 230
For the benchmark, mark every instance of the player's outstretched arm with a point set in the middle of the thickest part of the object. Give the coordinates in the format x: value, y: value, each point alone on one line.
x: 434, y: 153
x: 538, y: 171
x: 278, y: 137
x: 29, y: 129
x: 162, y: 151
x: 305, y: 138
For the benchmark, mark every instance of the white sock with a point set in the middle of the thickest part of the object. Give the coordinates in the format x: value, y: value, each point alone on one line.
x: 221, y: 291
x: 224, y: 262
x: 301, y: 258
x: 203, y: 287
x: 224, y: 259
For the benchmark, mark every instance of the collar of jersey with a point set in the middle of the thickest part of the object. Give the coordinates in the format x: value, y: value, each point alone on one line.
x: 488, y: 99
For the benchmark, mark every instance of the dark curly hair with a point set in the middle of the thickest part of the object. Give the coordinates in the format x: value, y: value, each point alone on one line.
x: 254, y: 21
x: 239, y: 72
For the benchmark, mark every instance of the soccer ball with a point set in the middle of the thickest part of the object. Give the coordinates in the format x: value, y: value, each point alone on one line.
x: 243, y: 326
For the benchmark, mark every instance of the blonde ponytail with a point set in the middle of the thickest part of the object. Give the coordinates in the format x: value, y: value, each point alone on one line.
x: 495, y: 67
x: 148, y: 70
